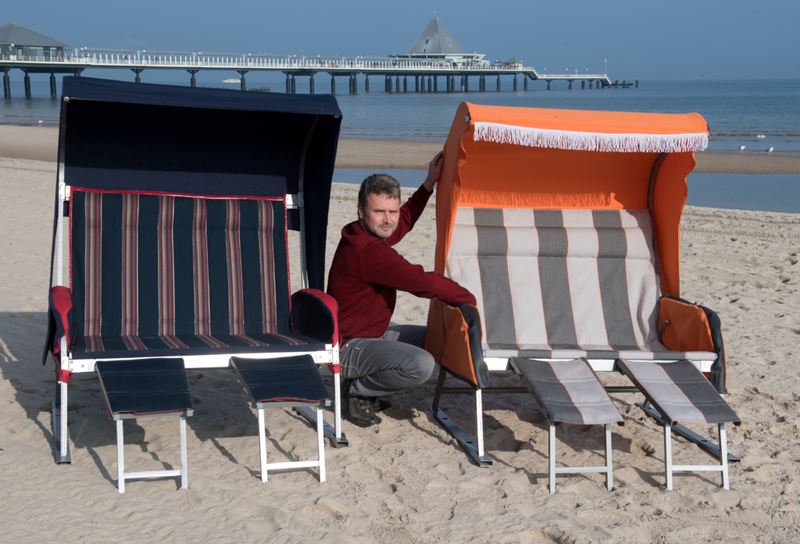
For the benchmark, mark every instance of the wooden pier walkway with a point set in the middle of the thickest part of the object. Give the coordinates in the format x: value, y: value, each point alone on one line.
x: 427, y: 74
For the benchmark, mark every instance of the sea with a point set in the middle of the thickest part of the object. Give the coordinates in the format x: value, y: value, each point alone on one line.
x: 754, y: 114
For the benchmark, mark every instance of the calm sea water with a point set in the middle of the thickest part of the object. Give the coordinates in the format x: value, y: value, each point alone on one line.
x: 736, y: 111
x: 760, y: 192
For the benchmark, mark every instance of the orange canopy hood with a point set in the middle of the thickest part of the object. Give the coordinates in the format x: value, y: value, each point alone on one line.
x: 501, y: 157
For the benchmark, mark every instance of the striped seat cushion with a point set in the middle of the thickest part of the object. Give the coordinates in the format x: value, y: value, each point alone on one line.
x: 562, y: 284
x: 568, y: 391
x: 679, y: 392
x: 179, y: 275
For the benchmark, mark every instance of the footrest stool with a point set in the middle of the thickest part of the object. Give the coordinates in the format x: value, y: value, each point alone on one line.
x: 680, y: 392
x: 570, y: 392
x: 284, y: 382
x: 146, y: 388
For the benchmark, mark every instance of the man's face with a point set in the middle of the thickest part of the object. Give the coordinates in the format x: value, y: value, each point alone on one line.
x: 379, y: 217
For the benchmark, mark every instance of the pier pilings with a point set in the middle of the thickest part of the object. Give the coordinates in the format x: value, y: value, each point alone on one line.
x: 6, y: 85
x: 27, y: 81
x: 53, y: 91
x: 311, y: 84
x: 242, y: 84
x: 137, y: 71
x: 193, y: 82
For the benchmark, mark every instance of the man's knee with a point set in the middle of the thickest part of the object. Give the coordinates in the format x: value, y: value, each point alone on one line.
x: 423, y: 365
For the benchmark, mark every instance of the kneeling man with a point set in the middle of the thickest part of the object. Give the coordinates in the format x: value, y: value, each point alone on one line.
x: 366, y: 273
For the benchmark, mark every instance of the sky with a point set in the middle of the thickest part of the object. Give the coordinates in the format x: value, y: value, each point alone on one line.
x: 640, y: 39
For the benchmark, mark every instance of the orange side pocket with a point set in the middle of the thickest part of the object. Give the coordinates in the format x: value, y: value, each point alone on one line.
x: 447, y: 339
x: 683, y: 326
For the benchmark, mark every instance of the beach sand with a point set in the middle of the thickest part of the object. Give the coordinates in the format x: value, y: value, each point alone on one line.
x: 41, y: 144
x: 404, y: 480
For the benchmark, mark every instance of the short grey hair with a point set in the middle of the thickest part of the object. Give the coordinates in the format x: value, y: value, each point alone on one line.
x: 378, y: 184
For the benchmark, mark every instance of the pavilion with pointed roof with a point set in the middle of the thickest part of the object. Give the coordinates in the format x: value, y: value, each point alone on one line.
x: 436, y: 42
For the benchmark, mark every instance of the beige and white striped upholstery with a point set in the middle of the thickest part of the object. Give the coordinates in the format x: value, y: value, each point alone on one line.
x: 562, y: 283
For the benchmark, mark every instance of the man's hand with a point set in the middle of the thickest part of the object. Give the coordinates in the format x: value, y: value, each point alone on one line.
x: 434, y: 171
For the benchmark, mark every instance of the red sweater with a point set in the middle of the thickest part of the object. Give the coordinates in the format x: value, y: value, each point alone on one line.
x: 366, y: 274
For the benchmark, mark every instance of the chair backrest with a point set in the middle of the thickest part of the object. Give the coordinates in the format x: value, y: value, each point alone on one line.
x: 146, y: 265
x: 558, y: 279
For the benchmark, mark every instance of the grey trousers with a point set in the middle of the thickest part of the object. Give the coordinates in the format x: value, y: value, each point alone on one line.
x: 393, y: 362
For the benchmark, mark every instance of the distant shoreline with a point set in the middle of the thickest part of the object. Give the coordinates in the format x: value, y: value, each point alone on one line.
x: 41, y: 143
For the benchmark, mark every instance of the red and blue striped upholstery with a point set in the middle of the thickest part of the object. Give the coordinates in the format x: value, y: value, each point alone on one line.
x: 562, y: 284
x: 174, y: 275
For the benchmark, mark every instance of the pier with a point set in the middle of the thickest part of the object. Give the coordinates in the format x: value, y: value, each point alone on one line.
x: 429, y: 66
x: 425, y: 75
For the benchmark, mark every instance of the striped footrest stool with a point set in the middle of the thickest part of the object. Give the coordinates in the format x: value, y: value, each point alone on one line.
x: 681, y: 393
x: 570, y: 392
x: 146, y: 388
x: 284, y: 382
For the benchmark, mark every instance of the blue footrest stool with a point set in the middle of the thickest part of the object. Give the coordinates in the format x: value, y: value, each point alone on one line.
x: 284, y: 382
x: 570, y: 392
x: 146, y: 388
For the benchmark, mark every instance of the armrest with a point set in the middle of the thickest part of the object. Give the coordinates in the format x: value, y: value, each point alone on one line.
x: 316, y: 314
x: 453, y: 337
x: 683, y: 326
x: 61, y: 323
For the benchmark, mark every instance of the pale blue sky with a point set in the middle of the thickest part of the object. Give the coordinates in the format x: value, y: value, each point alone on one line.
x: 646, y: 39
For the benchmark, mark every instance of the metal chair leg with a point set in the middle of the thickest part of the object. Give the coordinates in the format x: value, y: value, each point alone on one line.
x: 262, y: 442
x: 321, y: 445
x: 120, y: 457
x: 184, y: 456
x: 723, y: 445
x: 668, y: 453
x: 609, y: 469
x: 551, y: 457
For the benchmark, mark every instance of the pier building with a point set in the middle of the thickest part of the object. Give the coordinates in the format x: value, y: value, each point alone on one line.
x: 18, y: 41
x: 434, y: 58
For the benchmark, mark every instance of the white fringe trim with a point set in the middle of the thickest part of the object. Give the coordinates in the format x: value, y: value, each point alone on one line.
x: 590, y: 141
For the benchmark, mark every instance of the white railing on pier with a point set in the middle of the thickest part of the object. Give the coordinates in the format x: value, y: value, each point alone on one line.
x: 198, y: 61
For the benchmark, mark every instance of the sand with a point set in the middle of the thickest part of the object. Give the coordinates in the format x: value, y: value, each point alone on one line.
x: 41, y: 144
x: 404, y: 480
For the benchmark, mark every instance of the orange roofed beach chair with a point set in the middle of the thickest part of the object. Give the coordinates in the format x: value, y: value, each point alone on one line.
x: 566, y: 227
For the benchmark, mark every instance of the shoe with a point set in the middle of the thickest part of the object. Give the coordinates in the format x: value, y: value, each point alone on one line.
x: 379, y: 404
x: 357, y: 409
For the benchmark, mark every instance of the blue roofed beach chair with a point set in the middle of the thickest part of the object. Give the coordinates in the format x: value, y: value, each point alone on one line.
x: 566, y: 227
x: 176, y: 204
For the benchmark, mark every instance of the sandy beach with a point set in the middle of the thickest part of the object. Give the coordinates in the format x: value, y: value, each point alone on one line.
x: 41, y: 144
x: 404, y: 481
